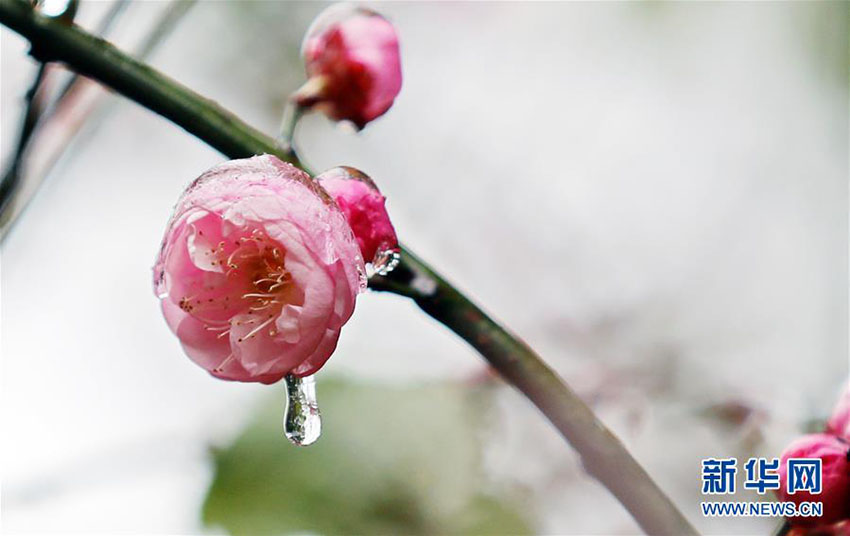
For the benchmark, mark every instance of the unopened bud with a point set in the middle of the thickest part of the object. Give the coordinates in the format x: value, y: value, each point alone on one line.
x: 353, y: 65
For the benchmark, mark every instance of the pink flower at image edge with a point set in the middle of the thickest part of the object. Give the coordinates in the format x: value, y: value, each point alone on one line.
x: 258, y: 271
x: 835, y: 477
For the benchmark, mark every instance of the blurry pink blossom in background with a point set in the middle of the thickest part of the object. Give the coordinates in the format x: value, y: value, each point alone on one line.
x: 833, y: 452
x: 364, y: 208
x: 353, y: 64
x: 258, y: 271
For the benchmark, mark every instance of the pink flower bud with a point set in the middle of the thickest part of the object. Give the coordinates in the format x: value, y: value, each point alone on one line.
x: 258, y: 271
x: 839, y: 422
x: 363, y: 205
x: 352, y: 60
x: 835, y: 496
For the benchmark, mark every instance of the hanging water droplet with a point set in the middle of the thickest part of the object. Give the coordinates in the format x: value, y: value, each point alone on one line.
x: 362, y: 276
x: 302, y: 421
x: 386, y: 259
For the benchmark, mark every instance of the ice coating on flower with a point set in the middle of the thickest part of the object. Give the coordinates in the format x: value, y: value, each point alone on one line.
x: 258, y: 271
x: 834, y: 452
x: 364, y: 208
x: 352, y: 59
x: 839, y: 422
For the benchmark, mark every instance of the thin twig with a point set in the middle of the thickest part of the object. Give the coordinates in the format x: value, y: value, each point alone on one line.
x: 292, y: 113
x: 163, y: 27
x: 603, y: 454
x: 37, y: 107
x: 36, y: 104
x: 76, y: 104
x: 32, y: 113
x: 101, y: 61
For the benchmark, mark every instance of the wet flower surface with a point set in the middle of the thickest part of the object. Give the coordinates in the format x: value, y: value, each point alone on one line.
x: 352, y: 59
x: 258, y: 271
x: 364, y: 207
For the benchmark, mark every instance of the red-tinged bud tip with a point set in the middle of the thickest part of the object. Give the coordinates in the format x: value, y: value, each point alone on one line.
x: 364, y: 207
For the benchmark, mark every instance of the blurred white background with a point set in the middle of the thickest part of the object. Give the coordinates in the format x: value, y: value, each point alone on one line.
x: 653, y: 195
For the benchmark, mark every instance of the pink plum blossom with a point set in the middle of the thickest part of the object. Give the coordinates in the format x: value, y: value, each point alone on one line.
x: 839, y: 422
x: 835, y: 495
x: 364, y: 208
x: 353, y: 64
x: 258, y: 271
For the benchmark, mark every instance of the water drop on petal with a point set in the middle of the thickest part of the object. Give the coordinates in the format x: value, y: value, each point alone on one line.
x: 362, y: 276
x: 160, y: 288
x: 302, y: 421
x: 386, y: 259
